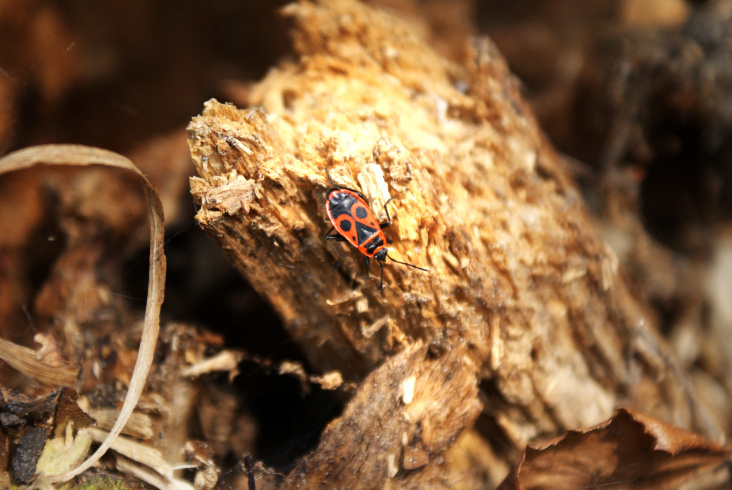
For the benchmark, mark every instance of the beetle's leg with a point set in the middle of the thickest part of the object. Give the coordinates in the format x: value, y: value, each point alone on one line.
x: 338, y: 238
x: 368, y: 264
x: 381, y: 282
x: 388, y: 218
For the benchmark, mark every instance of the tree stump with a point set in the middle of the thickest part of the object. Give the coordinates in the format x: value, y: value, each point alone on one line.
x: 523, y: 299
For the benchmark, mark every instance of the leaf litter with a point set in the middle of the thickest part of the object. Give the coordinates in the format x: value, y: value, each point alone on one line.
x: 83, y: 156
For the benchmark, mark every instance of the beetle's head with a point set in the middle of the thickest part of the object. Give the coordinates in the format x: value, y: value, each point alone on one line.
x: 381, y: 255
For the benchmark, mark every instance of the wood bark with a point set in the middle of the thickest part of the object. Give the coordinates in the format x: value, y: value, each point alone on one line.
x: 519, y: 283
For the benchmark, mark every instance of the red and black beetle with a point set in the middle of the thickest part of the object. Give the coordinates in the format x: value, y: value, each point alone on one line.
x: 355, y: 223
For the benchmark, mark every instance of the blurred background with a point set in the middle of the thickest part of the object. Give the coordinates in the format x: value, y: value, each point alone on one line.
x: 636, y: 94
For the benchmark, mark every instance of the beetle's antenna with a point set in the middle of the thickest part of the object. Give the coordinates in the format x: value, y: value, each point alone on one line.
x: 331, y: 180
x: 404, y: 263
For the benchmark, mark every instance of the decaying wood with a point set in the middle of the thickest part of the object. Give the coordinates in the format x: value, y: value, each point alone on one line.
x: 27, y: 361
x: 405, y: 416
x: 517, y: 272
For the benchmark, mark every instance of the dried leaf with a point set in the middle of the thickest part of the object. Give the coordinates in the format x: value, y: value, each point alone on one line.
x: 15, y: 407
x: 68, y: 414
x: 78, y: 155
x: 629, y: 450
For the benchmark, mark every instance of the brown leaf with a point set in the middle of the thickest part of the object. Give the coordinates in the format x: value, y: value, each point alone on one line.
x: 67, y: 411
x: 16, y: 407
x: 629, y: 450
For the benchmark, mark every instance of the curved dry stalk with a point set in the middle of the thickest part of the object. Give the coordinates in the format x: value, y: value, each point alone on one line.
x: 78, y: 155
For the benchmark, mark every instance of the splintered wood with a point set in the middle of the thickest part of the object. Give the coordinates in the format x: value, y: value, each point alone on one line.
x: 407, y: 413
x: 517, y: 272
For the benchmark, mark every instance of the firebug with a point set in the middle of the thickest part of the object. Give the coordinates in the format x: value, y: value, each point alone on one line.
x: 356, y: 224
